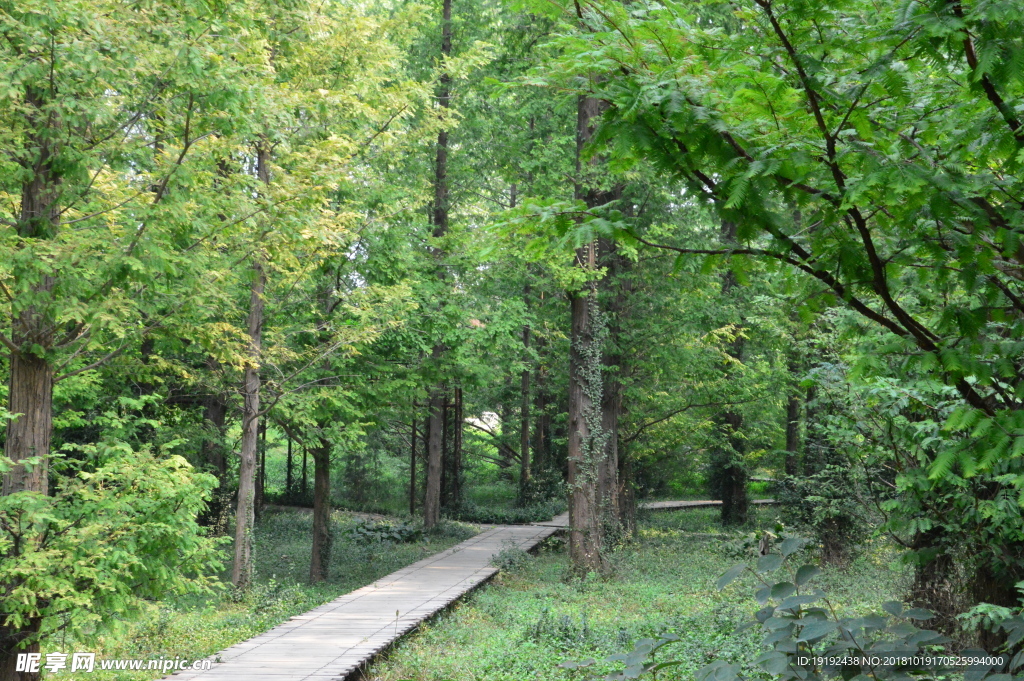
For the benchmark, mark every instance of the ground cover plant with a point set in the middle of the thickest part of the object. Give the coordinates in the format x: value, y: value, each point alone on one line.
x: 535, y: 617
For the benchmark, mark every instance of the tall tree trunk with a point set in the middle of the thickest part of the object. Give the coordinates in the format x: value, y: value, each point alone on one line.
x: 524, y: 417
x: 412, y: 464
x: 439, y: 218
x: 793, y: 409
x: 432, y: 498
x: 542, y: 420
x: 320, y: 560
x: 288, y: 481
x: 446, y: 456
x: 733, y: 483
x: 31, y: 378
x: 457, y: 449
x: 261, y: 470
x: 305, y: 478
x: 585, y: 441
x: 245, y: 514
x: 616, y: 287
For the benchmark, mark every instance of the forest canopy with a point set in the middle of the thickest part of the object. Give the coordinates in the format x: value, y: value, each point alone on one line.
x: 585, y: 253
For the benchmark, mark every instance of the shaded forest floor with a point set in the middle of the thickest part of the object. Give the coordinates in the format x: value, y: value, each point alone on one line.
x: 193, y: 628
x: 531, y: 618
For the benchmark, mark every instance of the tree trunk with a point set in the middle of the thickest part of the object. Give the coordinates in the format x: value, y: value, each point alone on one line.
x: 261, y: 470
x: 288, y: 472
x: 320, y: 560
x: 31, y: 377
x: 432, y: 498
x: 616, y: 287
x: 457, y: 450
x: 305, y: 478
x: 733, y: 483
x: 245, y: 516
x: 793, y: 409
x: 439, y: 218
x: 412, y: 465
x: 9, y: 640
x: 585, y: 442
x: 524, y: 412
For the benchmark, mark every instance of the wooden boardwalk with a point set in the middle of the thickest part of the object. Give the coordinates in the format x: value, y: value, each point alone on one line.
x: 334, y: 640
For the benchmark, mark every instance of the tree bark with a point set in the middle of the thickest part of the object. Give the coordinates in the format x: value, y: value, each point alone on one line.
x: 457, y: 449
x: 10, y: 639
x: 31, y: 378
x: 288, y: 471
x: 585, y: 446
x: 524, y: 411
x: 793, y: 409
x: 432, y: 498
x: 733, y: 483
x: 242, y: 571
x: 261, y: 470
x: 412, y: 465
x: 320, y: 560
x: 439, y: 218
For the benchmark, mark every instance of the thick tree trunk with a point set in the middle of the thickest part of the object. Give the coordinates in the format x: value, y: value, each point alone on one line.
x: 432, y: 498
x: 585, y: 442
x: 31, y: 378
x: 320, y: 561
x: 28, y: 435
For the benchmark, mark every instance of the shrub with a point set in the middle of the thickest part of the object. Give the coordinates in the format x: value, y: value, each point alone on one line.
x: 533, y: 513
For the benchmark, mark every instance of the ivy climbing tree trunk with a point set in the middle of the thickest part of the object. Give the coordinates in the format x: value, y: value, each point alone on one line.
x: 320, y: 560
x: 439, y: 218
x: 587, y: 437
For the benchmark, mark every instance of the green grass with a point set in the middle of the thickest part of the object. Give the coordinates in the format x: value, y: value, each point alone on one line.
x: 195, y: 628
x: 531, y: 619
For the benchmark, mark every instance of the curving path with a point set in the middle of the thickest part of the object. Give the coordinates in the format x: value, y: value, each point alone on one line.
x: 334, y: 640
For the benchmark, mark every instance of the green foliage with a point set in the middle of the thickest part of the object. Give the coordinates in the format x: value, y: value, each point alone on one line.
x: 518, y: 515
x: 385, y: 531
x: 117, y: 531
x: 511, y: 558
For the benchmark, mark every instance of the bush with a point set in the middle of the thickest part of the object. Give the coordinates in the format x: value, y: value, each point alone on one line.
x: 385, y: 531
x: 534, y: 513
x: 825, y: 506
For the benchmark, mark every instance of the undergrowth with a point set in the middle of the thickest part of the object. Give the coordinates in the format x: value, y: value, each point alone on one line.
x: 533, y: 617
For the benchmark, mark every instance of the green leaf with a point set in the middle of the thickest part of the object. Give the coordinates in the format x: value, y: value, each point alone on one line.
x: 769, y: 563
x: 730, y: 576
x: 816, y: 630
x: 806, y: 573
